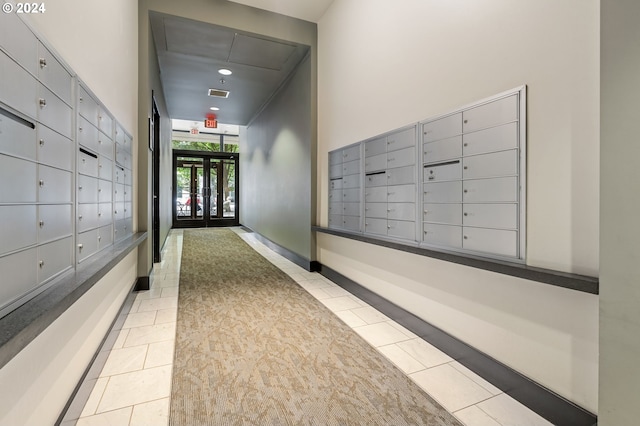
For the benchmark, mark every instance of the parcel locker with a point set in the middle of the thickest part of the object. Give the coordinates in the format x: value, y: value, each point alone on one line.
x: 12, y: 130
x: 402, y: 175
x: 442, y: 128
x: 443, y: 213
x: 105, y: 236
x: 19, y: 275
x: 401, y: 229
x: 377, y: 210
x: 491, y: 114
x: 88, y: 135
x: 375, y: 163
x: 53, y: 74
x: 351, y: 223
x: 375, y: 226
x: 503, y: 163
x: 444, y: 235
x: 54, y: 258
x: 53, y: 112
x: 18, y: 88
x: 54, y: 149
x: 87, y: 244
x: 444, y: 149
x: 498, y: 138
x: 87, y: 189
x: 54, y: 185
x: 88, y: 107
x: 401, y: 211
x: 375, y: 147
x: 351, y: 209
x: 491, y: 215
x: 403, y: 139
x: 401, y: 194
x: 17, y: 39
x: 495, y: 190
x: 22, y: 232
x: 19, y: 178
x: 495, y: 241
x: 351, y: 167
x: 401, y: 158
x: 54, y: 221
x: 443, y: 192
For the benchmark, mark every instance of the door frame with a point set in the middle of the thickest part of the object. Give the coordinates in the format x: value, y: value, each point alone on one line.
x: 206, y: 220
x: 155, y: 145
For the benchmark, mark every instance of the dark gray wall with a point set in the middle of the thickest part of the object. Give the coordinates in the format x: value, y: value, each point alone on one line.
x: 277, y: 167
x: 149, y: 69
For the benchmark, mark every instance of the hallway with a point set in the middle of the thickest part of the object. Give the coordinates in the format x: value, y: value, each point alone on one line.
x: 133, y: 387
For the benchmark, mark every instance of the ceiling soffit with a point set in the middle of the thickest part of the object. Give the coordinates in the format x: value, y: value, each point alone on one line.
x: 190, y: 54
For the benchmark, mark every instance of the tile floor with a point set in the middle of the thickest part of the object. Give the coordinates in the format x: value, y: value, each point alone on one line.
x: 134, y: 385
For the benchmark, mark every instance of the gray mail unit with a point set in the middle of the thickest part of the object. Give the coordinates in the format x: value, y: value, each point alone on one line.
x: 345, y: 188
x: 455, y: 182
x: 473, y: 178
x: 390, y: 184
x: 62, y: 157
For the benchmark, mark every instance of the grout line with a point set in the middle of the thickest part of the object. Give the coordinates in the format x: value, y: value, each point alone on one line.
x: 101, y: 395
x: 475, y: 404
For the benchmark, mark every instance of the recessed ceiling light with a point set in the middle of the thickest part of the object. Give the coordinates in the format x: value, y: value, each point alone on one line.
x: 214, y: 109
x: 225, y: 71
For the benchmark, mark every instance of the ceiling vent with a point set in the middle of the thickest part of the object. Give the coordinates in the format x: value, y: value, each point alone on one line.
x: 219, y: 93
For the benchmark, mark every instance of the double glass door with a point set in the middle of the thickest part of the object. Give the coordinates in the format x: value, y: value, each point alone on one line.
x: 205, y: 189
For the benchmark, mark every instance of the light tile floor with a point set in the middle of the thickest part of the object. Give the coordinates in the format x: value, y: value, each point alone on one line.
x: 135, y: 383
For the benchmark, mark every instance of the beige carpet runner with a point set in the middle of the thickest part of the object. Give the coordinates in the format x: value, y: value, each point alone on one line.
x: 254, y: 348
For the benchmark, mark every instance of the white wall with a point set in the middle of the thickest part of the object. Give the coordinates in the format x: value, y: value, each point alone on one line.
x: 98, y: 40
x: 382, y: 65
x: 619, y: 230
x: 37, y: 383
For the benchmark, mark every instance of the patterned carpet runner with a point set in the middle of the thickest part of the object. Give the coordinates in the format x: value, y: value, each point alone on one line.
x: 254, y: 348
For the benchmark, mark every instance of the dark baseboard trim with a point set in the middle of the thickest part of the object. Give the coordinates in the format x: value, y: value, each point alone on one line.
x: 303, y: 262
x: 547, y: 404
x: 92, y: 372
x: 315, y: 266
x: 142, y: 284
x: 547, y: 276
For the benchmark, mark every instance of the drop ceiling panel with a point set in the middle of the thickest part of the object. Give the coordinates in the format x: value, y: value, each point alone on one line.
x: 308, y: 10
x: 257, y: 52
x: 190, y: 53
x: 198, y: 39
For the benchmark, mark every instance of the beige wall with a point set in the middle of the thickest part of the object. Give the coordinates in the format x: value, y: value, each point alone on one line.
x: 385, y: 64
x: 619, y: 230
x: 37, y: 383
x: 98, y: 40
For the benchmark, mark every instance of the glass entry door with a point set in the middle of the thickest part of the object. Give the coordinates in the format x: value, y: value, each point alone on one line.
x: 205, y: 189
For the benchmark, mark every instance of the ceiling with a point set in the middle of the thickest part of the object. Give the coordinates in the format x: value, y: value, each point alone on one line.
x: 190, y: 53
x: 308, y: 10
